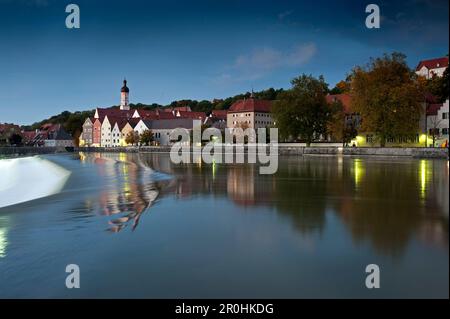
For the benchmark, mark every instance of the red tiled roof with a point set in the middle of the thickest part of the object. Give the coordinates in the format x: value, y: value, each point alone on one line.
x: 9, y: 127
x: 345, y: 99
x: 432, y: 109
x: 219, y: 114
x: 433, y: 63
x: 147, y: 114
x: 251, y: 105
x: 192, y: 115
x: 182, y: 108
x: 120, y: 123
x: 29, y: 135
x: 113, y: 112
x: 166, y: 116
x: 133, y: 122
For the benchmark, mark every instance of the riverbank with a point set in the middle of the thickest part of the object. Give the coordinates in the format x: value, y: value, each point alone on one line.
x: 29, y: 150
x: 438, y: 153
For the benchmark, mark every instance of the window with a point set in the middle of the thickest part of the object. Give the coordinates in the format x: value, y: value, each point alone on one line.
x: 445, y: 115
x: 369, y: 138
x: 445, y: 131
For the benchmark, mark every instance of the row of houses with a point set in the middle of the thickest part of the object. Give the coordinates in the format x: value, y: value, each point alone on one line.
x: 109, y: 127
x: 47, y: 135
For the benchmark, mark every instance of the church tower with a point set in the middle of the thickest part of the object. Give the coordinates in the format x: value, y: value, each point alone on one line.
x: 124, y: 92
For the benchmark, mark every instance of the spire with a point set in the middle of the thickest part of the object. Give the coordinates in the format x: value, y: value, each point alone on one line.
x: 124, y: 87
x: 252, y: 96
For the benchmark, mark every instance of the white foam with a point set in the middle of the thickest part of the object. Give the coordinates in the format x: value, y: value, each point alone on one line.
x: 29, y: 178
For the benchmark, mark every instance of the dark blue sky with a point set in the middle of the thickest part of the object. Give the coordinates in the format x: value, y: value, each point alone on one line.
x: 170, y: 50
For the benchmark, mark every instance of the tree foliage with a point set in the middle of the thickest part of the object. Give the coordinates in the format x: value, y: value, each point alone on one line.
x: 438, y: 86
x: 341, y: 126
x: 146, y: 137
x: 387, y: 95
x: 132, y: 138
x: 302, y: 112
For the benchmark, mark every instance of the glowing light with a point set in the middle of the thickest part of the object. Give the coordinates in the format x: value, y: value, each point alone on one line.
x: 423, y: 139
x: 358, y: 171
x: 423, y: 178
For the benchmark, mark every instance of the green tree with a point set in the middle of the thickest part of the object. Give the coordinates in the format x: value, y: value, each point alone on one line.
x: 302, y: 111
x: 132, y: 138
x: 388, y: 96
x: 341, y: 126
x: 146, y: 137
x: 438, y: 86
x: 15, y: 139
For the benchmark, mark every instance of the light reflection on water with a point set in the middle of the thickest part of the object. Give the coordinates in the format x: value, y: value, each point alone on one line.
x: 185, y: 230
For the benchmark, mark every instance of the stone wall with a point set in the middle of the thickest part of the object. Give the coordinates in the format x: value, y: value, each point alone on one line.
x: 441, y: 153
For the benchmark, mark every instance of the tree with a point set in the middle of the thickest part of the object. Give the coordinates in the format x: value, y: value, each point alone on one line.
x: 342, y: 87
x: 341, y: 126
x: 438, y: 86
x: 132, y: 138
x: 146, y: 137
x: 388, y: 96
x: 303, y: 111
x: 15, y: 139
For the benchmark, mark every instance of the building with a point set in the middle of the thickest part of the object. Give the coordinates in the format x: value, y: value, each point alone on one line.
x: 217, y: 119
x: 191, y: 115
x: 431, y: 68
x: 127, y: 129
x: 438, y: 124
x: 106, y: 131
x: 124, y: 97
x: 97, y: 133
x: 86, y: 137
x: 7, y: 131
x: 250, y: 113
x: 54, y: 135
x: 116, y: 133
x: 161, y: 129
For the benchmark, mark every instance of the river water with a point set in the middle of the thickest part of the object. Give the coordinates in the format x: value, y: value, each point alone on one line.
x: 139, y: 226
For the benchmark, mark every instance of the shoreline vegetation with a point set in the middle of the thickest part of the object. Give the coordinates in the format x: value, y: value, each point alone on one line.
x: 283, y: 149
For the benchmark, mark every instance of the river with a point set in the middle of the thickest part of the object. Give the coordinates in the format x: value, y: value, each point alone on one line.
x: 139, y: 226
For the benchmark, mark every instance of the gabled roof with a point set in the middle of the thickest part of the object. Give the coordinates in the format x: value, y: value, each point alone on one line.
x: 433, y: 63
x: 251, y: 105
x: 114, y: 112
x: 120, y: 123
x: 345, y: 99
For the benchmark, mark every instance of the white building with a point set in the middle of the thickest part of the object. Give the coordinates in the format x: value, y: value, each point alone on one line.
x: 116, y: 133
x: 433, y: 67
x: 438, y: 123
x: 124, y: 97
x: 106, y: 138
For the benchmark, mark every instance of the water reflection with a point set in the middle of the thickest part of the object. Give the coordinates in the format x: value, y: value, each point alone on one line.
x: 129, y: 188
x: 383, y: 202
